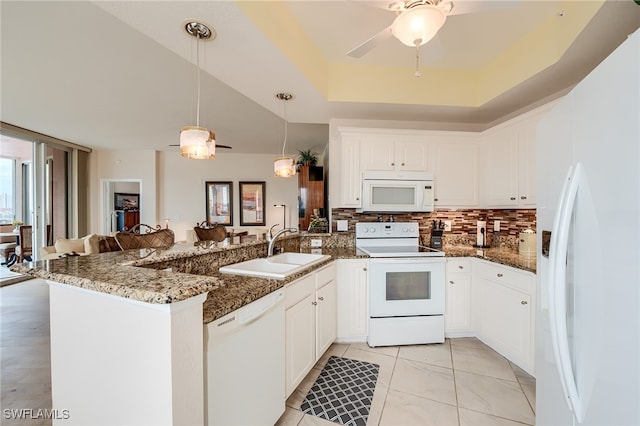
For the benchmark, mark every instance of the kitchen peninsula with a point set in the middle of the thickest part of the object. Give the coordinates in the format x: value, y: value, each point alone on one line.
x: 128, y: 326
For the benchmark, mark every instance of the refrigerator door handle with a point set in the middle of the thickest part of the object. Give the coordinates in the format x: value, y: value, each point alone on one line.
x: 557, y: 290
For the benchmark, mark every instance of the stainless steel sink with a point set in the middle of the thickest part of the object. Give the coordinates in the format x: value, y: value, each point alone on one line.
x: 279, y: 266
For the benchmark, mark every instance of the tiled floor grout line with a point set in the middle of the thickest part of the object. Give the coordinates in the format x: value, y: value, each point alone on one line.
x: 455, y: 384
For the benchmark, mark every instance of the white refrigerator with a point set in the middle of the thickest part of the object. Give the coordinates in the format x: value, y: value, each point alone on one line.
x: 588, y: 315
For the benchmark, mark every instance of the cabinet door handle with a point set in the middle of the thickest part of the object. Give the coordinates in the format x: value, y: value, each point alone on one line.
x: 314, y: 303
x: 435, y: 199
x: 364, y: 269
x: 451, y: 282
x: 512, y: 198
x: 393, y: 164
x: 524, y: 197
x: 357, y: 198
x: 460, y: 267
x: 524, y: 302
x: 499, y: 275
x: 321, y: 298
x: 403, y: 164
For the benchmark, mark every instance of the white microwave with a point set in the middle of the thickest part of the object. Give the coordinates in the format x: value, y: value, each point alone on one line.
x: 387, y: 192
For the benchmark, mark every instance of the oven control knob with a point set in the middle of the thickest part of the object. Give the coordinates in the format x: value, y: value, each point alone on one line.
x: 405, y: 229
x: 372, y: 229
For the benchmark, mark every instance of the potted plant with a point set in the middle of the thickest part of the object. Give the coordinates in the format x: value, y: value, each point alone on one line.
x: 307, y: 158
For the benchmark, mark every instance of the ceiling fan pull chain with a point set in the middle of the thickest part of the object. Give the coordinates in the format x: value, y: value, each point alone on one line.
x: 417, y: 74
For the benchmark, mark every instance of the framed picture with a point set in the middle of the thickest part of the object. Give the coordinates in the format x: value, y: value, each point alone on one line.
x: 219, y: 202
x: 124, y: 201
x: 252, y: 199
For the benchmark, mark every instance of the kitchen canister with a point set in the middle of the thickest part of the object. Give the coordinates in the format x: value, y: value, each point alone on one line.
x: 527, y: 242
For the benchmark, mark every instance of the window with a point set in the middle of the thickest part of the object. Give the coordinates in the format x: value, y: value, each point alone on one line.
x: 7, y: 190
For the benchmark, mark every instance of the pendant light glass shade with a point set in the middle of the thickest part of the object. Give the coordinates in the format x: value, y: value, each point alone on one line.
x: 418, y: 25
x: 284, y: 166
x: 197, y: 143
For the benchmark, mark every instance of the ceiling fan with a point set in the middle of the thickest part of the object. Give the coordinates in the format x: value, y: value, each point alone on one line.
x: 417, y: 22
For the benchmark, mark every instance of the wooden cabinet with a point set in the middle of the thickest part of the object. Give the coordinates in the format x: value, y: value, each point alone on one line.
x: 457, y: 314
x: 353, y: 300
x: 456, y: 174
x: 394, y: 152
x: 350, y: 185
x: 504, y: 311
x: 310, y: 322
x: 310, y: 193
x: 127, y: 219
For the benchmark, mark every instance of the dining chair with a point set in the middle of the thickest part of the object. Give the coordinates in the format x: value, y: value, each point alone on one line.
x: 24, y: 249
x: 206, y: 231
x: 133, y: 238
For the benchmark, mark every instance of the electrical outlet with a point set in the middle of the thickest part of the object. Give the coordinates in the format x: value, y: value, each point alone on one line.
x: 447, y: 225
x: 496, y: 226
x: 316, y: 243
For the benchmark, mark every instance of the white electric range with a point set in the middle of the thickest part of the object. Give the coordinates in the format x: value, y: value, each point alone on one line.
x: 406, y: 285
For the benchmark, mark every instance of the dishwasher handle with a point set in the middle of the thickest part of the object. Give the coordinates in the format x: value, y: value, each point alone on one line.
x: 260, y: 307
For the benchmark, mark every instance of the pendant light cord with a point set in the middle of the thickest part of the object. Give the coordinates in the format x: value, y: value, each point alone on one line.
x: 198, y: 77
x: 284, y: 104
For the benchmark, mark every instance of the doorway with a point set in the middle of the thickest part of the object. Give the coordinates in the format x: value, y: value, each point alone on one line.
x: 120, y: 204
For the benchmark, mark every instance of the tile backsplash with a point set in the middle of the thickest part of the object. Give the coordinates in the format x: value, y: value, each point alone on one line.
x: 463, y: 223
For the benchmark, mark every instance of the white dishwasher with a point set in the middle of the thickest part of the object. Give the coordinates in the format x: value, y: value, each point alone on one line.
x: 244, y: 364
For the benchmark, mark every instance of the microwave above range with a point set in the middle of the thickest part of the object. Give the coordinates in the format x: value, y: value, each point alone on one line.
x: 389, y: 192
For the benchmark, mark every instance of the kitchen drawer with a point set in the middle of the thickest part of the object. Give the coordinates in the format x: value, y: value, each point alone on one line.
x: 457, y: 265
x: 505, y: 275
x: 298, y: 290
x: 326, y: 275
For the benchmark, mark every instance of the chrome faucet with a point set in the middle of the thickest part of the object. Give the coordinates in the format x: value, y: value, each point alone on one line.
x: 271, y: 238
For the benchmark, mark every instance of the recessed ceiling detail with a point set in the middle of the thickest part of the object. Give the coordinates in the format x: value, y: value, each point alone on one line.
x: 351, y: 81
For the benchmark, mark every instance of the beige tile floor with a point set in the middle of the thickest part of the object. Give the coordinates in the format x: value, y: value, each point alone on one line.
x: 461, y: 382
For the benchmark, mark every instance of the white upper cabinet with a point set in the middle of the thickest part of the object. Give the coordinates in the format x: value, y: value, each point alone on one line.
x: 350, y: 185
x: 508, y: 162
x: 388, y: 152
x: 500, y: 168
x: 456, y: 173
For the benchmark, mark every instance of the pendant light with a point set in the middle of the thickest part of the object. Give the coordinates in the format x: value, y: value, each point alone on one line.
x: 284, y: 166
x: 198, y: 142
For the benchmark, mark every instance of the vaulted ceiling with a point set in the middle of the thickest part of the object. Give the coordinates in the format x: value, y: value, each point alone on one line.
x: 121, y: 74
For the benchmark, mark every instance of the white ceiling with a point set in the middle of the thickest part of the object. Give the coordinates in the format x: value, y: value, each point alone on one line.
x: 121, y: 74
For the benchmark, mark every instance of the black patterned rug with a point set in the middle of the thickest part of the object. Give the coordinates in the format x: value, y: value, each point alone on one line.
x: 343, y: 391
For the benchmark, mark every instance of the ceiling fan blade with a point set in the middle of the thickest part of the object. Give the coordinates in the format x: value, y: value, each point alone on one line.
x: 364, y: 48
x: 217, y: 146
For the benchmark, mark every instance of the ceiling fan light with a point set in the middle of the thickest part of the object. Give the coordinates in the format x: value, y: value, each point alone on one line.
x: 418, y: 24
x: 284, y: 167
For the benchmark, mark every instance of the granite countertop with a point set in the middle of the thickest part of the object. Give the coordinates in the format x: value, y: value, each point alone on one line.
x: 119, y: 273
x: 123, y: 273
x: 239, y: 290
x: 503, y: 255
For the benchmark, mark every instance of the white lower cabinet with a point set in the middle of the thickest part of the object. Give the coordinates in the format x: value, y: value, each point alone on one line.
x: 457, y: 314
x: 310, y: 323
x: 504, y: 309
x: 353, y: 300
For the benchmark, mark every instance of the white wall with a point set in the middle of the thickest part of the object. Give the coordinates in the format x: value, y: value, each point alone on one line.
x: 174, y: 187
x: 123, y: 165
x: 181, y: 189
